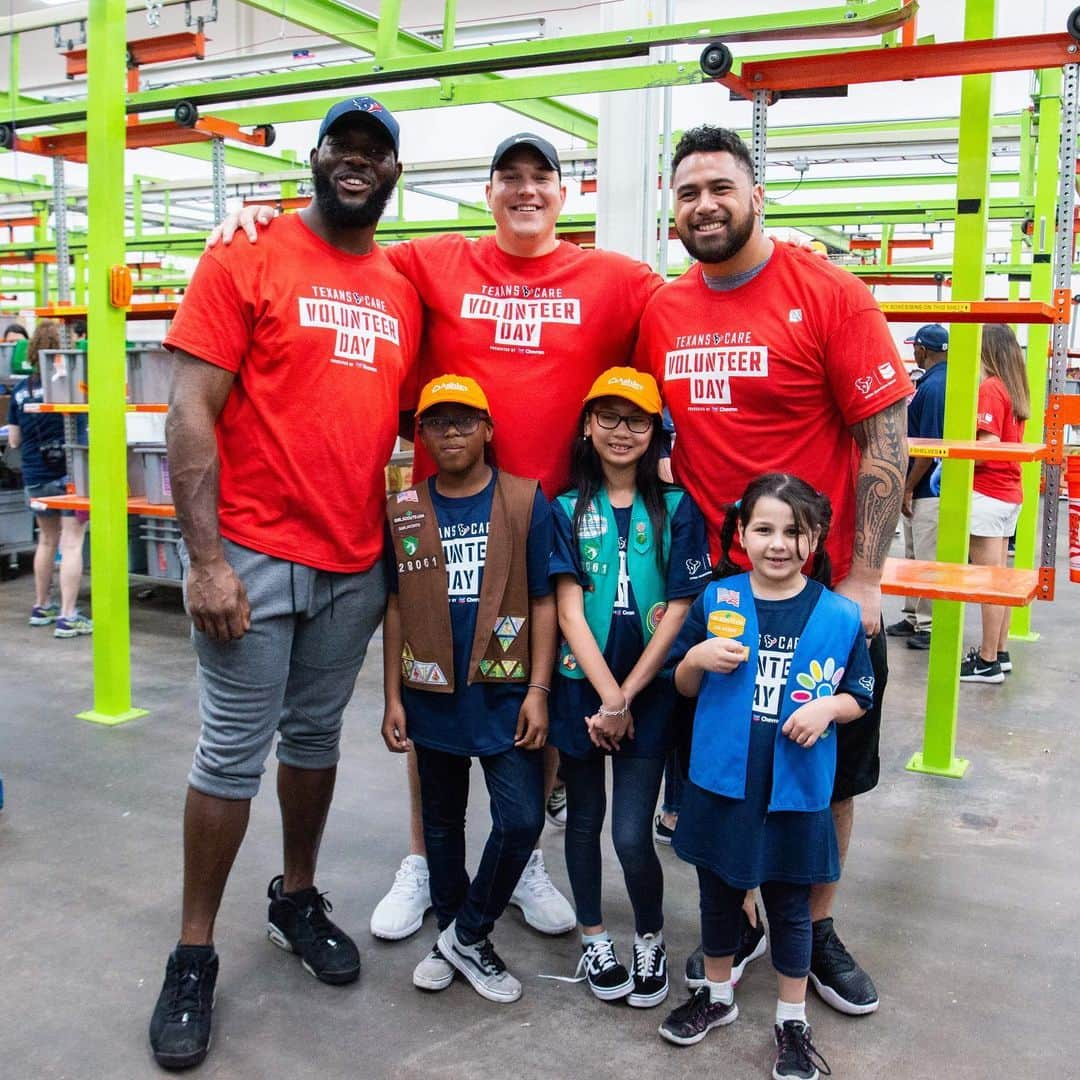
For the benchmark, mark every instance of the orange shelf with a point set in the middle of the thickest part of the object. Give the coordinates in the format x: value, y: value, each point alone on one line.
x: 950, y: 581
x: 63, y: 407
x: 157, y: 309
x: 976, y: 450
x: 975, y: 311
x: 82, y: 502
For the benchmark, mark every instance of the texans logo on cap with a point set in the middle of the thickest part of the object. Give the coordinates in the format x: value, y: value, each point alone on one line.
x: 368, y: 105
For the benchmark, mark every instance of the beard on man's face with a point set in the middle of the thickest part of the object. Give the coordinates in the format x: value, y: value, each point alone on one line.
x: 718, y: 249
x: 344, y: 216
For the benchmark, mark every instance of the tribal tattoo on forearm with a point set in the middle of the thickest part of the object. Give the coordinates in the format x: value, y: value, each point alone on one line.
x: 879, y: 486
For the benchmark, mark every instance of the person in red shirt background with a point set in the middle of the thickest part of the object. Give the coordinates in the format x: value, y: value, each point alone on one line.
x: 1004, y: 405
x: 534, y: 319
x: 772, y: 359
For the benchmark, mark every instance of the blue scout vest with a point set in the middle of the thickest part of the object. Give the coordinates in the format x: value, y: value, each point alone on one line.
x: 598, y: 548
x: 802, y: 779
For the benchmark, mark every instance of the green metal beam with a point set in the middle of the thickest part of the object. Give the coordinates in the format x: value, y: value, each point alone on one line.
x: 237, y: 157
x: 420, y: 59
x: 938, y: 754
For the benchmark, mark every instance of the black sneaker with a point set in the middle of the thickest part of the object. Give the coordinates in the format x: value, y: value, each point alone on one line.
x: 297, y: 923
x: 555, y: 808
x: 1005, y: 660
x: 974, y: 668
x: 662, y: 833
x: 903, y: 628
x: 650, y: 974
x: 690, y: 1023
x: 837, y: 978
x: 180, y: 1026
x: 919, y: 640
x: 796, y: 1055
x: 607, y: 978
x: 752, y: 944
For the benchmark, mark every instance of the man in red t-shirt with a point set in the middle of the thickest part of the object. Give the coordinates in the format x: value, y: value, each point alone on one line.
x: 771, y: 359
x: 534, y: 319
x: 292, y: 363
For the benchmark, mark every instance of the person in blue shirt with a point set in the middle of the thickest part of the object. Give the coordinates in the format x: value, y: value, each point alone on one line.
x: 775, y: 660
x: 468, y: 647
x: 926, y: 420
x: 631, y: 553
x: 40, y: 437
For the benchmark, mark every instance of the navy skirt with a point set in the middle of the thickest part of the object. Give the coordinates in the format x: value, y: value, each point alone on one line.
x: 744, y: 844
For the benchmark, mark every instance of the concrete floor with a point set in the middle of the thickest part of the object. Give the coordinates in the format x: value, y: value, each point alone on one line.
x: 957, y: 897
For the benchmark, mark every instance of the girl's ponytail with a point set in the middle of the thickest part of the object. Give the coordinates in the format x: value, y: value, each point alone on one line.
x: 821, y: 567
x: 726, y: 566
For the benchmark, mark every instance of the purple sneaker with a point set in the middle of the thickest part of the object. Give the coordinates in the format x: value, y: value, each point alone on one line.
x: 43, y: 615
x: 690, y: 1023
x: 73, y: 625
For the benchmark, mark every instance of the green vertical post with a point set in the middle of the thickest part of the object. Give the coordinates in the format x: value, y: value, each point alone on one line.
x: 136, y: 206
x: 41, y: 236
x: 961, y: 397
x: 13, y: 74
x: 1038, y: 339
x: 79, y: 278
x: 386, y: 36
x: 449, y: 25
x: 105, y: 123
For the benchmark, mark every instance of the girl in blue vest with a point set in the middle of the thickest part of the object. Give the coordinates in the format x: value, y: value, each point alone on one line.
x: 630, y: 554
x: 775, y: 660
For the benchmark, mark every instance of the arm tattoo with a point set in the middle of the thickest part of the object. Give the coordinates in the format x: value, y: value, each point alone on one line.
x: 879, y: 486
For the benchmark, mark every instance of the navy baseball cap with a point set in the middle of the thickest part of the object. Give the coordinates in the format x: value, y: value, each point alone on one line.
x: 526, y: 138
x: 933, y: 336
x: 367, y: 105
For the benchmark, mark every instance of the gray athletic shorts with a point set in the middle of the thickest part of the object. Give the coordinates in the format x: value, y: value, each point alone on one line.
x: 292, y: 673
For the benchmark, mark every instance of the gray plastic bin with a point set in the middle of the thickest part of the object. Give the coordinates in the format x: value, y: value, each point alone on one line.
x: 162, y: 539
x: 6, y: 349
x: 63, y: 376
x: 149, y: 375
x: 80, y: 471
x: 155, y: 469
x: 16, y: 520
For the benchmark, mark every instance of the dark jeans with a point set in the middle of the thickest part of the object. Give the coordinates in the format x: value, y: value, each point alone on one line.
x: 788, y: 909
x: 635, y: 786
x: 673, y: 784
x: 515, y: 783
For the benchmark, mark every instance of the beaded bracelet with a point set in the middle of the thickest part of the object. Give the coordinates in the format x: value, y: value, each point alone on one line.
x: 612, y: 712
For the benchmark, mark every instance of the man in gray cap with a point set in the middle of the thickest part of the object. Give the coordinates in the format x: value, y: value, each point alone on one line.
x: 926, y: 420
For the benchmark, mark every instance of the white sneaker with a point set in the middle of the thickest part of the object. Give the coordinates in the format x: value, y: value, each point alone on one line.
x: 401, y: 911
x: 544, y: 907
x: 481, y: 965
x: 433, y: 972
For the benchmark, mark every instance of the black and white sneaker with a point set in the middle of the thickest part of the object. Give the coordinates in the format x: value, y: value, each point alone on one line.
x: 481, y: 965
x: 752, y: 944
x: 1005, y: 660
x: 180, y: 1026
x: 607, y: 978
x: 297, y: 923
x: 650, y: 973
x: 661, y: 833
x: 835, y: 975
x: 974, y: 668
x: 433, y: 972
x: 796, y: 1056
x: 555, y: 807
x: 690, y: 1023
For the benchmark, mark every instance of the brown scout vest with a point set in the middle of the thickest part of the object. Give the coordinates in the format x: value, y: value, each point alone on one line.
x: 500, y: 651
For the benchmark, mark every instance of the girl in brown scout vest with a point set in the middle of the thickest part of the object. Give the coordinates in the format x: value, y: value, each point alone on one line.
x: 469, y: 643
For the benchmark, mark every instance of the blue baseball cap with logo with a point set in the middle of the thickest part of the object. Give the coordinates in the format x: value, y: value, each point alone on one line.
x: 932, y: 337
x: 367, y: 106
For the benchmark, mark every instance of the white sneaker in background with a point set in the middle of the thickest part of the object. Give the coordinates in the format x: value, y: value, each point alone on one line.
x: 400, y: 913
x: 543, y: 906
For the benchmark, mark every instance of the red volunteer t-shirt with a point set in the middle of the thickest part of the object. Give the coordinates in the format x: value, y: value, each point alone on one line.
x: 323, y: 345
x: 534, y: 333
x: 768, y: 377
x: 998, y: 479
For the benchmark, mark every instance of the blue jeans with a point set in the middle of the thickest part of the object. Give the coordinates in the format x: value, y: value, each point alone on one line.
x: 673, y: 784
x: 515, y: 783
x: 635, y: 786
x: 788, y: 908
